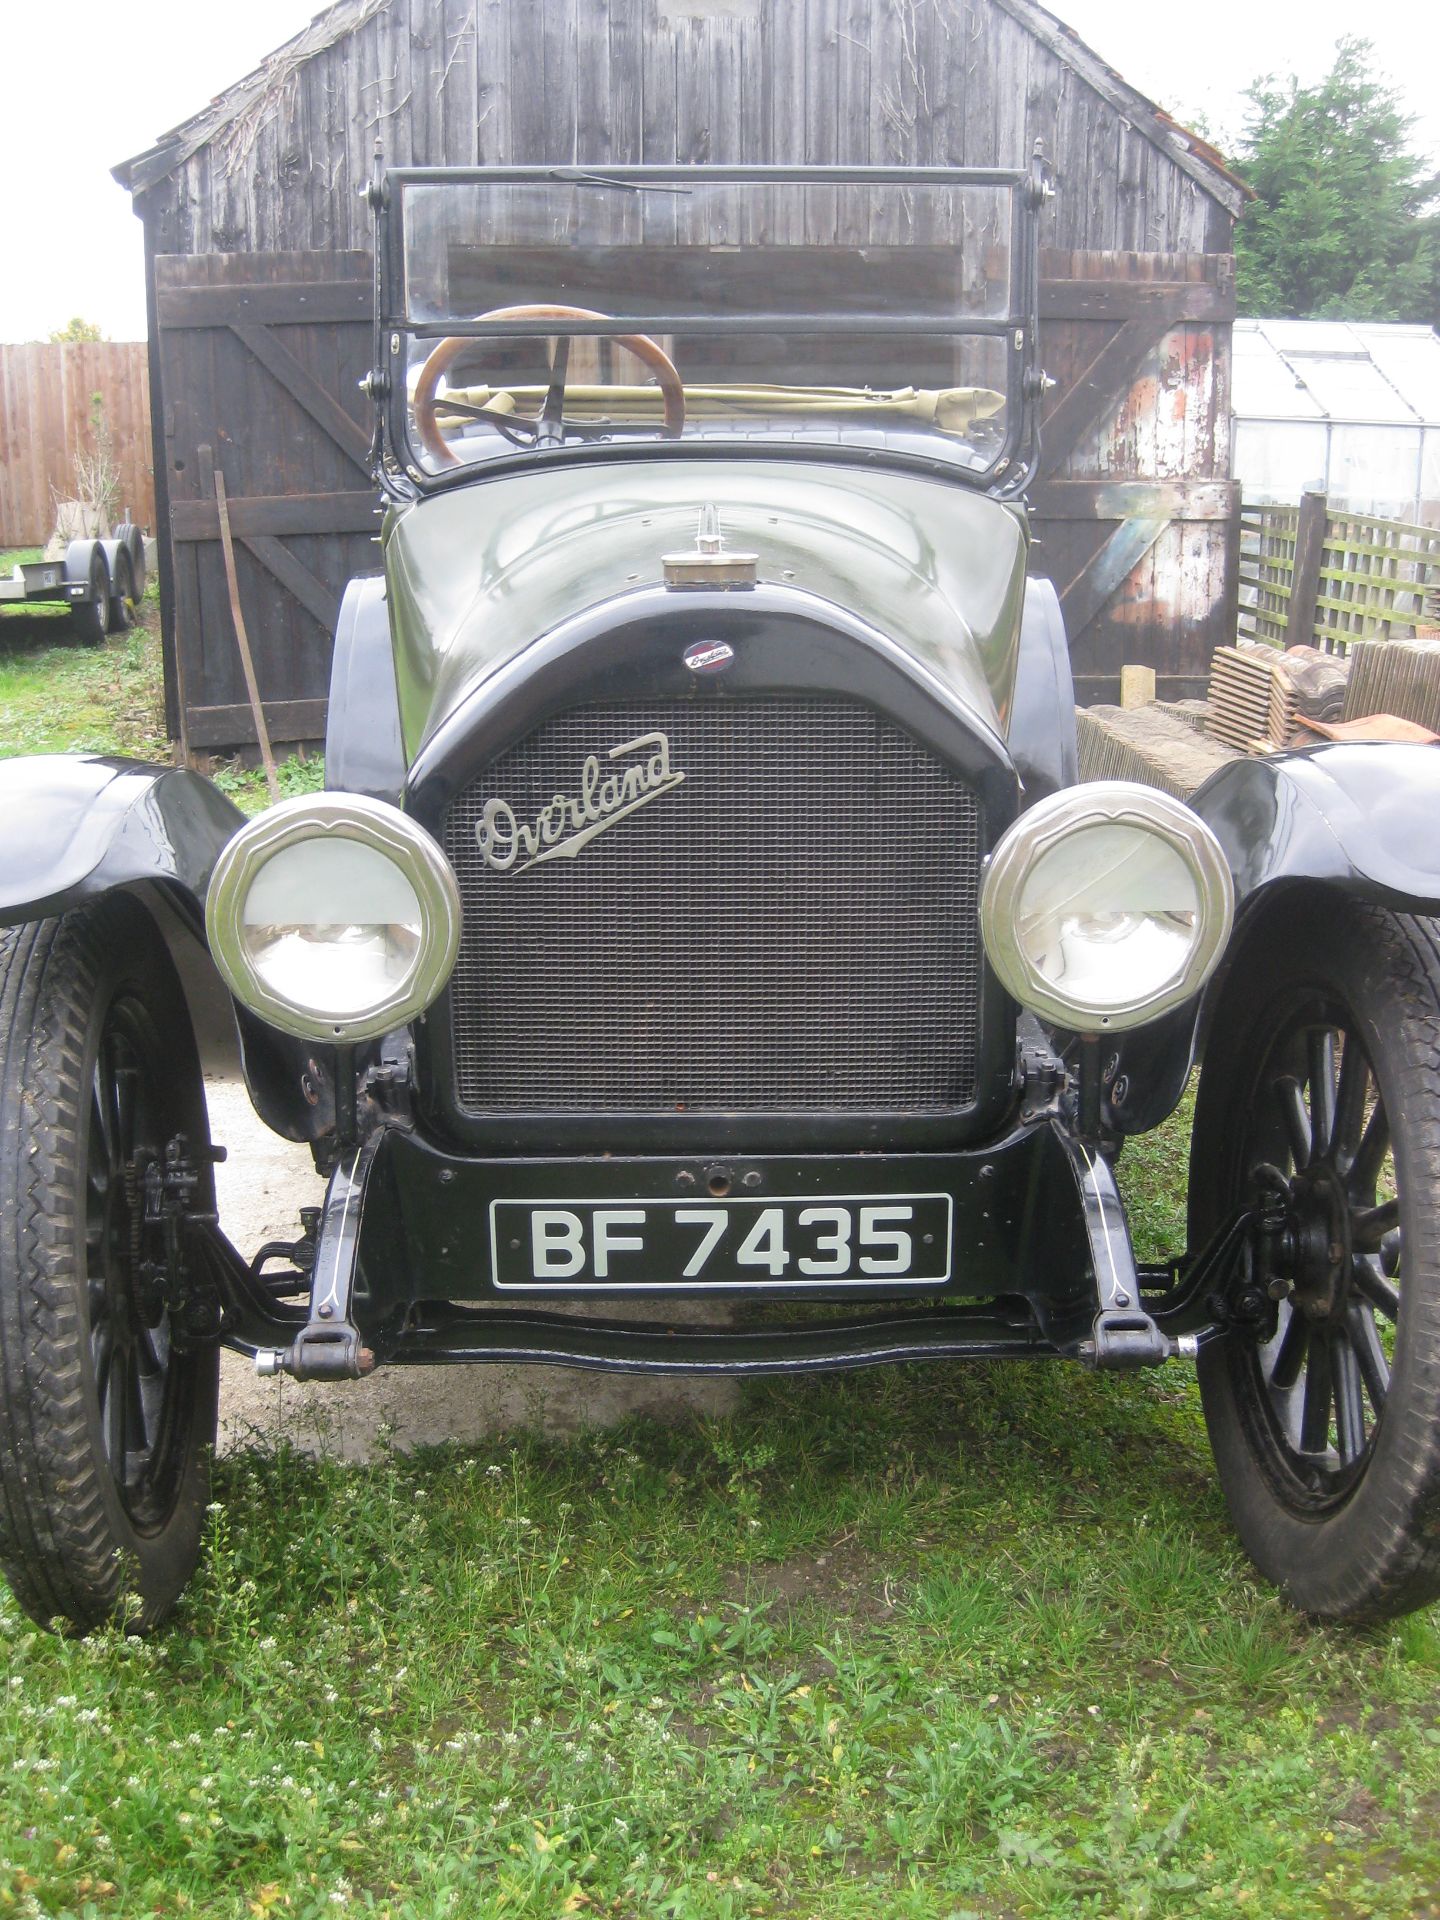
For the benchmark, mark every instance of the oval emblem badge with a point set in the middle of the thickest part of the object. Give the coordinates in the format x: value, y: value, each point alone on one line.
x: 708, y: 656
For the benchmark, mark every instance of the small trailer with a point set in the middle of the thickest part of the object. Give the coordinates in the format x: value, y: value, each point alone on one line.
x: 99, y: 580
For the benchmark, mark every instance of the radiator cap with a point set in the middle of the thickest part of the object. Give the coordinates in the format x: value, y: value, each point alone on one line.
x: 710, y: 563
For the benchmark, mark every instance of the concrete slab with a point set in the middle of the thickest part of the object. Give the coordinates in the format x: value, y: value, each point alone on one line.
x: 262, y: 1187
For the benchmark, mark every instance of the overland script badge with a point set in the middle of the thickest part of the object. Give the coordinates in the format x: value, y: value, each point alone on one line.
x: 569, y: 822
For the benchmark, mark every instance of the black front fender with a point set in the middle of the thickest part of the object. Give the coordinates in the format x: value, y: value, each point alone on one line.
x: 1365, y: 819
x: 77, y: 826
x: 1362, y: 819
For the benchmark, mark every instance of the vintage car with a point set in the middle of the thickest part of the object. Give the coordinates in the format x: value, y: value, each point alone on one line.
x: 704, y: 907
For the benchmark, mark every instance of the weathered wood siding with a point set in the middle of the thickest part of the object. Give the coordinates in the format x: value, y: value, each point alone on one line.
x: 47, y: 420
x: 461, y: 82
x: 279, y: 339
x: 1136, y: 513
x: 1134, y: 508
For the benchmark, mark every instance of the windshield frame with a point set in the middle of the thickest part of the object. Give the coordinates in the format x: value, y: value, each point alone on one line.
x: 402, y: 476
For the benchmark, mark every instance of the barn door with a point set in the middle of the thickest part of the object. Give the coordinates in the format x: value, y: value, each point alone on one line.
x: 1136, y: 515
x: 258, y: 360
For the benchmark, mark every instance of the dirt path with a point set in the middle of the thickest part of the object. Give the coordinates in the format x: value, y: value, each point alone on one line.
x: 263, y: 1185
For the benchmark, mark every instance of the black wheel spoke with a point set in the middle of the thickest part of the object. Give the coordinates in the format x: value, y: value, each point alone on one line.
x: 1350, y: 1104
x: 102, y: 1350
x: 1369, y: 1354
x: 1290, y: 1354
x: 1349, y: 1399
x: 1315, y: 1415
x: 1296, y: 1116
x: 150, y: 1404
x: 113, y: 1418
x: 103, y: 1113
x: 1376, y: 1288
x: 1374, y: 1146
x: 1369, y: 1227
x: 151, y: 1350
x: 1320, y: 1052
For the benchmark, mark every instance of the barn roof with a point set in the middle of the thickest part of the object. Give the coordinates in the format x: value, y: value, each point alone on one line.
x: 1191, y: 154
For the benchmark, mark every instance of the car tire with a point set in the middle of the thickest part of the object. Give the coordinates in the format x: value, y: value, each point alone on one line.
x: 106, y: 1422
x: 1325, y: 1417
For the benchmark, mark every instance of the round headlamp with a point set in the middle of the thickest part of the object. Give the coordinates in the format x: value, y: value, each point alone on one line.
x: 334, y: 917
x: 1105, y: 906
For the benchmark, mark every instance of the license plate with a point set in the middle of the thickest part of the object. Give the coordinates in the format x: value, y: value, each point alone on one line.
x: 639, y: 1246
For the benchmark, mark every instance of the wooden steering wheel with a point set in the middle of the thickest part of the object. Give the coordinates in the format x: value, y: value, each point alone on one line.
x: 447, y: 351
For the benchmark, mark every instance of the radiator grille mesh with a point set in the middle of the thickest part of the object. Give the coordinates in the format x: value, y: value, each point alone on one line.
x: 792, y: 928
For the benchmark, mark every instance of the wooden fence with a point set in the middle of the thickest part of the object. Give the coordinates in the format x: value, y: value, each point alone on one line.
x: 47, y: 417
x: 1309, y: 576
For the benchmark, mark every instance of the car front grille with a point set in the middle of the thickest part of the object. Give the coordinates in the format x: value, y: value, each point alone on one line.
x: 793, y: 927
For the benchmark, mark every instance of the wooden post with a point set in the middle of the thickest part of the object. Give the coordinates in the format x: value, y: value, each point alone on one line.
x: 1305, y: 580
x: 1137, y: 686
x: 242, y: 639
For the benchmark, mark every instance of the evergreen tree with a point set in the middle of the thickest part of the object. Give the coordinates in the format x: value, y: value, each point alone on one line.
x: 1339, y: 229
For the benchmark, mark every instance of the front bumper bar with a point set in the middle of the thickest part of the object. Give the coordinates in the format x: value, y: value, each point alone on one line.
x: 1042, y: 1267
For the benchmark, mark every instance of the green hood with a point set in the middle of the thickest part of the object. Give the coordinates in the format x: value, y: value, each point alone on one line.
x: 477, y: 574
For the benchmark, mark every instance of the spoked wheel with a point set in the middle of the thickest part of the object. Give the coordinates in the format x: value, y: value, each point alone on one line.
x: 105, y: 1415
x: 1319, y: 1105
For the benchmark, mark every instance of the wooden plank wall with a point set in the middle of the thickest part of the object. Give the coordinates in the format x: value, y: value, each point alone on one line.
x: 1135, y: 507
x: 1137, y: 516
x: 259, y: 359
x: 47, y: 397
x: 856, y: 82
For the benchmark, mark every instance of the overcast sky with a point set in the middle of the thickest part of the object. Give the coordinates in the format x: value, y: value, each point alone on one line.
x: 107, y: 80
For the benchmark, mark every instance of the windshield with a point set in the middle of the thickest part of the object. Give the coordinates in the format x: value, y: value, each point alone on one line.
x: 536, y: 311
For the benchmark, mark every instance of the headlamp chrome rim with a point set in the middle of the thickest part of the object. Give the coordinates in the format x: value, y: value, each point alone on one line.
x: 1044, y: 827
x: 385, y: 830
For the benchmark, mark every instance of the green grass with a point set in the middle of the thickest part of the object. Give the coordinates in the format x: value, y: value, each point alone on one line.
x: 59, y: 696
x: 968, y: 1641
x: 971, y: 1642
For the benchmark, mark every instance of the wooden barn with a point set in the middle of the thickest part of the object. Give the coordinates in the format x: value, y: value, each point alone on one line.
x: 259, y: 284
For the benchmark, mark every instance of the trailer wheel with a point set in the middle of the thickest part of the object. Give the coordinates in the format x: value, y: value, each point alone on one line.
x: 89, y: 617
x: 120, y: 612
x: 133, y: 540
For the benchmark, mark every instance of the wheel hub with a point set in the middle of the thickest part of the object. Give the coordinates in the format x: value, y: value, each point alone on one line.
x: 1318, y: 1236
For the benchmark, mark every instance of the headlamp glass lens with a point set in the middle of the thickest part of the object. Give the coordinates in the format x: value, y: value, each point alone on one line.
x: 332, y: 925
x: 1109, y: 915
